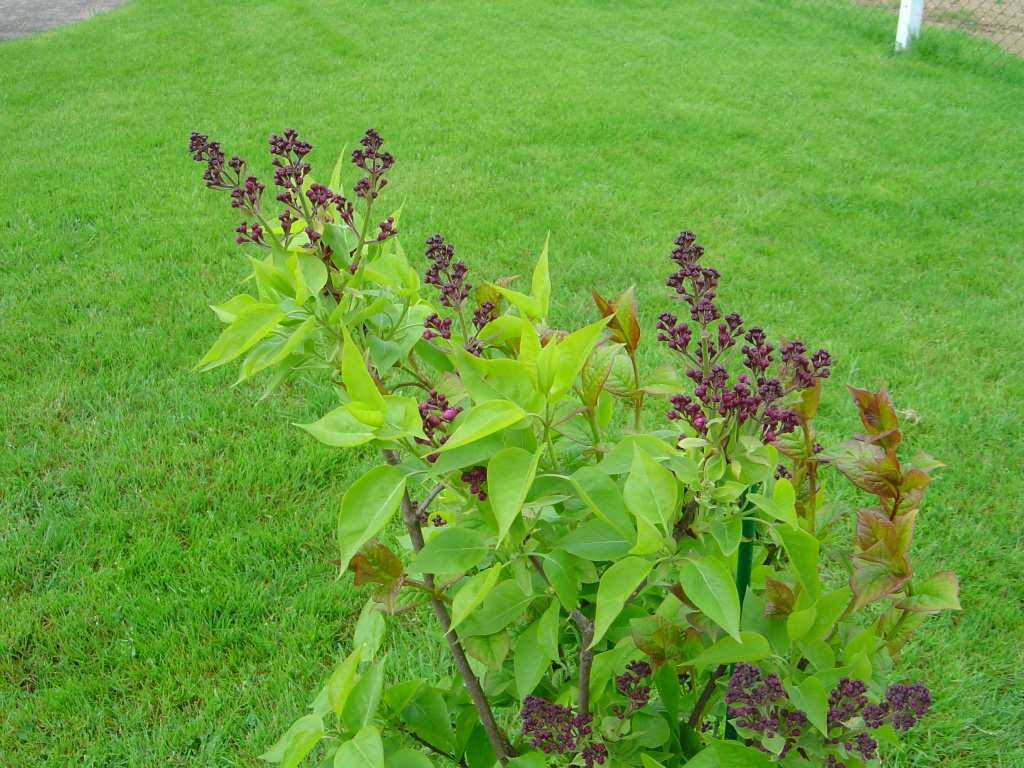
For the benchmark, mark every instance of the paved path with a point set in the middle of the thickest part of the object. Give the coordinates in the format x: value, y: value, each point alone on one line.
x: 21, y: 17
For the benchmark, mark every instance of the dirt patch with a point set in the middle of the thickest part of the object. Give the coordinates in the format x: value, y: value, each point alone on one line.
x: 22, y: 17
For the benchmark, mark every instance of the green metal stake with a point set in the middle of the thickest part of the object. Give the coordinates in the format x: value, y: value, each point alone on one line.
x: 744, y: 563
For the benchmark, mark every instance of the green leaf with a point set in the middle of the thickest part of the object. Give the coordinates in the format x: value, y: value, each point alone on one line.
x: 548, y: 630
x: 729, y: 754
x: 364, y: 750
x: 296, y: 743
x: 711, y: 588
x: 500, y: 609
x: 397, y: 697
x: 602, y: 495
x: 595, y: 372
x: 228, y: 311
x: 367, y: 506
x: 530, y: 661
x: 408, y: 758
x: 361, y: 704
x: 453, y: 550
x: 541, y: 286
x: 728, y: 534
x: 650, y: 491
x: 483, y: 420
x: 617, y: 584
x: 650, y: 763
x: 308, y: 274
x: 619, y: 459
x: 573, y: 352
x: 561, y: 574
x: 662, y: 381
x: 529, y: 760
x: 250, y: 325
x: 340, y: 429
x: 369, y: 632
x: 510, y: 474
x: 595, y: 540
x: 528, y: 306
x: 473, y: 592
x: 342, y: 681
x: 802, y: 550
x: 489, y: 650
x: 356, y: 378
x: 939, y: 592
x: 783, y: 510
x: 428, y: 717
x: 810, y: 696
x: 750, y: 647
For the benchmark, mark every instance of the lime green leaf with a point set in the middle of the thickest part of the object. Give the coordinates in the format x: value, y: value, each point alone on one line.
x: 356, y: 377
x: 617, y: 584
x: 408, y: 758
x: 483, y: 420
x: 250, y: 325
x: 528, y: 306
x: 781, y: 507
x: 750, y: 647
x: 510, y: 474
x: 810, y: 696
x: 364, y: 750
x: 428, y: 717
x: 361, y: 705
x: 489, y: 650
x: 802, y: 550
x: 561, y: 574
x: 367, y: 506
x: 473, y: 592
x: 548, y: 630
x: 530, y: 661
x: 500, y: 609
x: 542, y: 280
x: 342, y: 681
x: 650, y: 491
x: 228, y: 311
x: 453, y: 550
x: 939, y: 592
x: 573, y: 352
x: 711, y: 588
x: 595, y: 540
x: 602, y: 495
x: 296, y: 742
x: 650, y: 763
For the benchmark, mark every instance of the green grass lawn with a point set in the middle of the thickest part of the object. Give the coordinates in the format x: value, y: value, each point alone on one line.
x: 165, y: 593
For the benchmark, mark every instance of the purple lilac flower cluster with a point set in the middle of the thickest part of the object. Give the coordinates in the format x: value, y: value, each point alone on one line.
x: 553, y: 729
x: 375, y: 164
x: 436, y: 413
x: 449, y: 277
x: 902, y: 706
x: 246, y: 194
x: 759, y: 702
x: 424, y: 516
x: 476, y: 477
x: 632, y: 686
x: 755, y: 396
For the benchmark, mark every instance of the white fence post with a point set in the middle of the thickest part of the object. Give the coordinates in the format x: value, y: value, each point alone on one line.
x: 909, y: 25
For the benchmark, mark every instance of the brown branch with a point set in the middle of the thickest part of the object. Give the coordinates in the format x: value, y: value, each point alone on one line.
x: 499, y: 743
x: 705, y: 695
x: 586, y: 627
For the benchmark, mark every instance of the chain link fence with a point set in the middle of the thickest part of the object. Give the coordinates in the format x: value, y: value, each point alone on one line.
x: 985, y: 32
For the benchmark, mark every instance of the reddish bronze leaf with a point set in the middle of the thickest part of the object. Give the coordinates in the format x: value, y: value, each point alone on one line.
x: 780, y: 599
x: 878, y: 414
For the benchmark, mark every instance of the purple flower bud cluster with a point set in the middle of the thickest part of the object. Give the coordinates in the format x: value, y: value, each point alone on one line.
x: 449, y: 277
x: 753, y: 397
x: 436, y: 413
x: 246, y: 194
x: 249, y: 233
x: 632, y: 686
x: 902, y: 706
x: 554, y: 730
x: 759, y: 702
x: 437, y: 327
x: 290, y: 171
x: 424, y: 516
x: 374, y: 163
x: 804, y: 371
x: 484, y: 314
x: 387, y: 229
x: 476, y: 477
x: 782, y: 472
